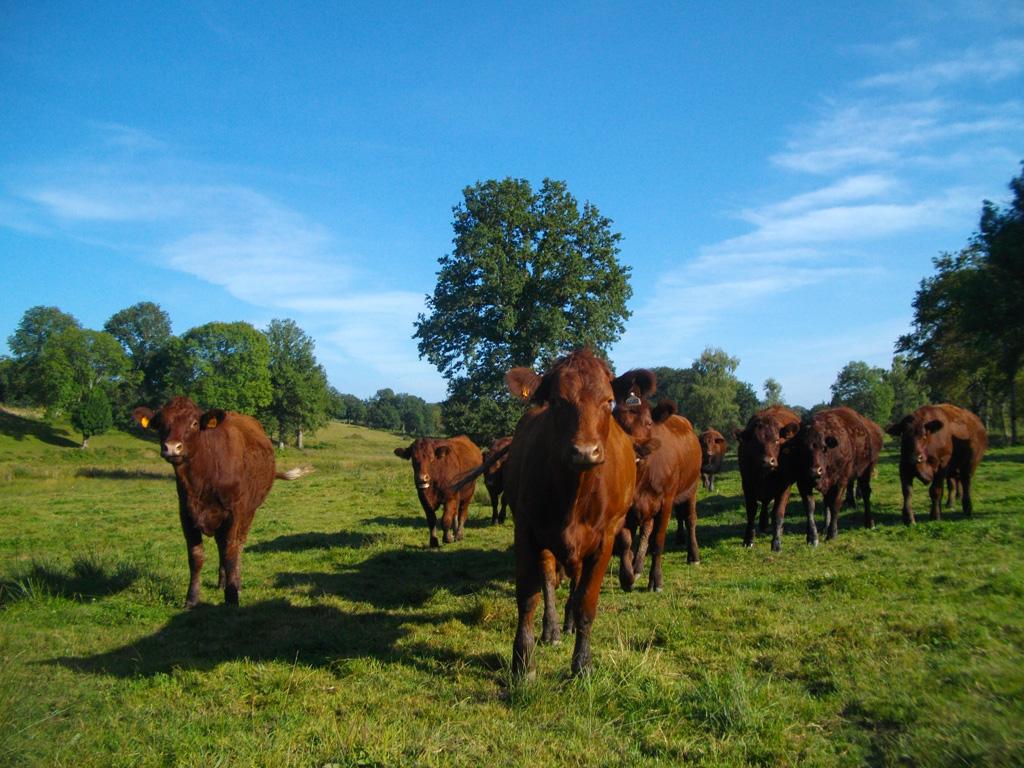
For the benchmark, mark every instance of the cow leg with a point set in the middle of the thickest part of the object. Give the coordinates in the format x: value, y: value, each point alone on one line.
x: 748, y: 536
x: 585, y: 607
x: 764, y: 524
x: 655, y: 581
x: 646, y: 527
x: 692, y: 550
x: 964, y: 488
x: 935, y: 495
x: 448, y: 519
x: 569, y: 625
x: 551, y: 634
x: 504, y: 507
x: 194, y: 543
x: 850, y: 501
x: 864, y: 487
x: 494, y: 506
x: 907, y: 486
x: 529, y: 575
x: 779, y: 516
x: 807, y: 497
x: 832, y: 502
x: 624, y: 543
x: 432, y: 525
x: 463, y: 516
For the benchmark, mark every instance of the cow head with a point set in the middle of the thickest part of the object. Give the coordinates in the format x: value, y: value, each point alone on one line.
x: 425, y: 455
x: 712, y: 448
x: 578, y: 398
x: 762, y: 441
x: 815, y: 441
x: 179, y: 423
x: 921, y: 436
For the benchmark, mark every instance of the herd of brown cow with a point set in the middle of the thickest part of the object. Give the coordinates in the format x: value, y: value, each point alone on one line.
x: 592, y: 468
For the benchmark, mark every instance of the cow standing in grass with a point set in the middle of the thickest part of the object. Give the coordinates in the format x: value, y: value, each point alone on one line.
x: 668, y: 473
x: 494, y: 477
x: 570, y: 477
x: 436, y: 466
x: 767, y: 468
x: 834, y: 449
x: 712, y: 453
x: 939, y: 442
x: 224, y: 468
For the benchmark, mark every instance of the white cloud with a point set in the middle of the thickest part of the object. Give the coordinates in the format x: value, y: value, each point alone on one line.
x: 1004, y: 59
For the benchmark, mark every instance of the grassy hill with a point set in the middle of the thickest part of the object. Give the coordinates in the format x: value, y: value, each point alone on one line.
x: 356, y: 645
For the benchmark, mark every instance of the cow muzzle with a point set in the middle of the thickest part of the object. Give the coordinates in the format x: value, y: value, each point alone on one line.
x: 423, y: 483
x: 172, y: 451
x: 586, y: 454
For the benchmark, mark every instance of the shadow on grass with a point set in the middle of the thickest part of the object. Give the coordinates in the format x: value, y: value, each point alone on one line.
x: 124, y: 474
x: 85, y: 580
x: 409, y: 577
x: 300, y: 542
x: 274, y: 630
x: 19, y: 428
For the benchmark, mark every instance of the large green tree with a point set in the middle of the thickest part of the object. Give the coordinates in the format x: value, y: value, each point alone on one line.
x: 715, y: 387
x: 222, y: 365
x: 531, y: 275
x: 300, y: 398
x: 144, y: 330
x: 27, y: 343
x: 968, y: 328
x: 866, y: 389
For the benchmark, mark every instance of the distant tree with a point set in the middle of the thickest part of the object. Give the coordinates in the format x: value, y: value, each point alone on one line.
x: 348, y: 407
x: 772, y: 393
x: 299, y: 399
x: 747, y: 403
x: 92, y: 415
x: 144, y: 330
x: 35, y: 328
x: 908, y: 387
x: 675, y: 384
x: 865, y: 389
x: 222, y: 365
x: 382, y: 411
x: 7, y: 393
x: 713, y: 398
x: 530, y: 277
x: 73, y: 362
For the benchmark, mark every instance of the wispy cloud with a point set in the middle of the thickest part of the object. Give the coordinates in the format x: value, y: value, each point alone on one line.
x: 1001, y: 60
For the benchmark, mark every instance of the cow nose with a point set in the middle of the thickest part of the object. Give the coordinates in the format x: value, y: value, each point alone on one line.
x: 919, y: 458
x: 172, y: 449
x: 817, y: 472
x: 771, y: 461
x: 424, y: 481
x: 587, y: 454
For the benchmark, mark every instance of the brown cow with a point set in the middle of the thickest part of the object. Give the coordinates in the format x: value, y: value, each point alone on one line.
x: 939, y: 442
x: 494, y: 477
x: 767, y: 469
x: 224, y: 467
x: 436, y: 466
x: 569, y: 478
x: 667, y: 476
x: 834, y: 449
x: 712, y: 453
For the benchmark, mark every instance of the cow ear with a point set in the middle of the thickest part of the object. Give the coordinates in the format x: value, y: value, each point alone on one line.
x: 522, y: 382
x: 144, y: 416
x: 212, y: 418
x: 643, y: 450
x: 441, y: 451
x: 934, y: 425
x: 831, y: 442
x: 720, y: 441
x: 663, y: 410
x: 403, y: 453
x: 788, y: 431
x: 899, y: 427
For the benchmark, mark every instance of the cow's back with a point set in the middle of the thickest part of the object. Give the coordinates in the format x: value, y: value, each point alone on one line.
x: 236, y: 458
x: 966, y: 428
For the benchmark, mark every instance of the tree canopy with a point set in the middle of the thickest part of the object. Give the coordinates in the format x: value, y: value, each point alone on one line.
x: 531, y: 275
x: 299, y: 399
x: 866, y: 389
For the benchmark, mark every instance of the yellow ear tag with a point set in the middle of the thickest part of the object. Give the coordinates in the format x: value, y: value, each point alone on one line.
x: 144, y: 421
x: 211, y: 423
x: 526, y: 393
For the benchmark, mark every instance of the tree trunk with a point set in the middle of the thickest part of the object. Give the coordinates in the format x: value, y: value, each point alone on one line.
x: 1013, y: 409
x: 85, y: 442
x: 298, y: 438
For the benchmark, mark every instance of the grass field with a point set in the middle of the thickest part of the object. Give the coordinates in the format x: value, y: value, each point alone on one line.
x: 356, y: 645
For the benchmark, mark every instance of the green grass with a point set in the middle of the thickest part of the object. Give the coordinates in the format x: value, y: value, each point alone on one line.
x: 356, y: 645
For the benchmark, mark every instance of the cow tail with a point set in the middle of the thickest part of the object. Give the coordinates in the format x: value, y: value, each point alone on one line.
x: 490, y: 461
x: 294, y: 474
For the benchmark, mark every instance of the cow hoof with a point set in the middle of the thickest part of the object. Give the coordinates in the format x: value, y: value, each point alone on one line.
x: 748, y: 544
x: 655, y: 588
x: 434, y: 543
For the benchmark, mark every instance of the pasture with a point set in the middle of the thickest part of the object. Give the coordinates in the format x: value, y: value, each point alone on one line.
x: 356, y: 645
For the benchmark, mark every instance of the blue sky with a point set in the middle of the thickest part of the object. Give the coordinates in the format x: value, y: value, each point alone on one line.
x: 782, y: 173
